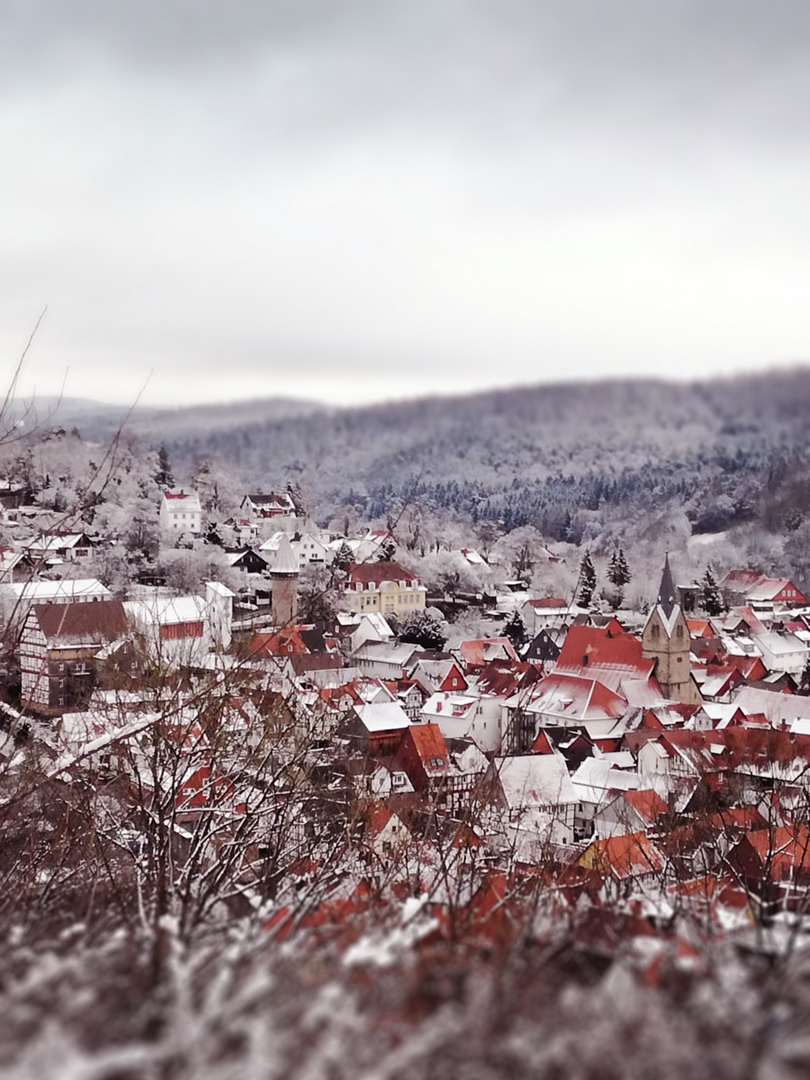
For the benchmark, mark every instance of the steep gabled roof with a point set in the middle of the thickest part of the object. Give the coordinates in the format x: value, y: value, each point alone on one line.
x: 104, y: 620
x: 576, y: 697
x: 430, y: 746
x: 285, y: 642
x: 769, y: 588
x: 623, y: 856
x: 647, y: 804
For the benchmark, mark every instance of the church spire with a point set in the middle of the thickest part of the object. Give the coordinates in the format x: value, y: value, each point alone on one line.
x: 667, y: 596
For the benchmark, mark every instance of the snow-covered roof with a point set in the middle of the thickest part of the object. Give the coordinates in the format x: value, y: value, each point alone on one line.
x: 383, y: 716
x: 572, y: 698
x: 285, y: 561
x: 386, y: 652
x: 54, y: 541
x: 600, y: 774
x: 535, y: 780
x: 445, y: 703
x: 218, y: 589
x: 780, y: 644
x: 70, y: 589
x: 8, y: 560
x: 181, y: 501
x: 779, y: 708
x: 376, y: 620
x: 166, y: 610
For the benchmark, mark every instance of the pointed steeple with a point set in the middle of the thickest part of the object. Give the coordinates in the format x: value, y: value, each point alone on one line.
x: 667, y: 594
x: 286, y: 564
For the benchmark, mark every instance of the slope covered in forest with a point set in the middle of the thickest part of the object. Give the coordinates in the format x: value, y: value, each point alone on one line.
x: 726, y: 450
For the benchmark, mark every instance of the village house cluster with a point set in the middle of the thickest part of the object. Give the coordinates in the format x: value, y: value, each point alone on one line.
x: 660, y: 761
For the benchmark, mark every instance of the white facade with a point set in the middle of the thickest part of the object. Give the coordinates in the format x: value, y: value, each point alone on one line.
x: 466, y: 716
x: 308, y: 549
x: 782, y: 652
x: 181, y: 630
x: 180, y: 512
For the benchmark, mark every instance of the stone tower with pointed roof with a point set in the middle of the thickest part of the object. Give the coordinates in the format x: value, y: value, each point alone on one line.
x: 284, y: 575
x: 666, y: 639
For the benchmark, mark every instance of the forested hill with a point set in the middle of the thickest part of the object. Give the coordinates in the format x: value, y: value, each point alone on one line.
x: 725, y: 451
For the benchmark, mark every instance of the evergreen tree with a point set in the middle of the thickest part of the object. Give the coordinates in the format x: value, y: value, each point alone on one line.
x: 424, y: 628
x: 618, y: 570
x: 294, y: 491
x: 388, y: 550
x: 344, y: 558
x: 515, y: 629
x: 164, y: 476
x: 587, y: 577
x: 710, y: 596
x: 804, y: 681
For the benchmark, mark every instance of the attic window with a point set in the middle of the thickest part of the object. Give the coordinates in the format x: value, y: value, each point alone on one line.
x: 585, y: 660
x: 436, y: 762
x: 655, y: 631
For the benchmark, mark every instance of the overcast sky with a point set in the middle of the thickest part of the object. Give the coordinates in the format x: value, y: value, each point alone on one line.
x: 354, y: 201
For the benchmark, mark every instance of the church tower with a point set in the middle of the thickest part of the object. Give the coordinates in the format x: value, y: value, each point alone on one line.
x: 284, y: 575
x: 666, y: 639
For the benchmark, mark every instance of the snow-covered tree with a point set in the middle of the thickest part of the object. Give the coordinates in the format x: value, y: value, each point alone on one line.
x: 710, y: 596
x: 344, y: 557
x: 387, y: 550
x: 164, y: 476
x: 426, y: 628
x: 587, y: 578
x: 618, y: 571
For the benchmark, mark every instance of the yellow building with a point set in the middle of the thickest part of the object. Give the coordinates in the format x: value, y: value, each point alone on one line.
x: 385, y: 587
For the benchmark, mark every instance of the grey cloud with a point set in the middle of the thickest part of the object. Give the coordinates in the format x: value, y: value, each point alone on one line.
x: 291, y: 188
x: 472, y: 62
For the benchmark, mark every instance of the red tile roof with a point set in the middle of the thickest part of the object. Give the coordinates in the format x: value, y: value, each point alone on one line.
x: 647, y: 804
x: 378, y: 572
x: 589, y: 646
x: 429, y: 743
x: 622, y: 857
x: 286, y: 642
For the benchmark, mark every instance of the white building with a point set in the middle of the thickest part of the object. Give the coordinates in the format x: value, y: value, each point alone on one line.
x: 180, y: 512
x: 782, y: 652
x: 307, y: 548
x: 18, y: 597
x: 466, y: 716
x: 184, y: 629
